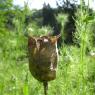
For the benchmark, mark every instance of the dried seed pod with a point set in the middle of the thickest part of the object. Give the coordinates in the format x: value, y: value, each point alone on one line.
x: 43, y: 57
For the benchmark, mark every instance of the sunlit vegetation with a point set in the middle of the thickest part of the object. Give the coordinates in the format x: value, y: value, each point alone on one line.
x: 76, y: 66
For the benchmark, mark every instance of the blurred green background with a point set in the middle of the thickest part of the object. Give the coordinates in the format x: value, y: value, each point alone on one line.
x: 76, y: 66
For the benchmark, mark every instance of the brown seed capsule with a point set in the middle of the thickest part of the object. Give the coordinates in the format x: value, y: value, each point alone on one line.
x: 43, y: 57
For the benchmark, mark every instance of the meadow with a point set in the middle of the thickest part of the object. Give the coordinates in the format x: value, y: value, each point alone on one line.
x: 76, y: 66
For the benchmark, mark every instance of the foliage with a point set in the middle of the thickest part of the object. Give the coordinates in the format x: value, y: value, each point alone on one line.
x: 76, y: 67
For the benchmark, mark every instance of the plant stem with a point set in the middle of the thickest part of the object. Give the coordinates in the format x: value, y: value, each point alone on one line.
x: 45, y: 84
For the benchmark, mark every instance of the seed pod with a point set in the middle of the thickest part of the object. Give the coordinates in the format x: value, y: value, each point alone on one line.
x: 43, y: 57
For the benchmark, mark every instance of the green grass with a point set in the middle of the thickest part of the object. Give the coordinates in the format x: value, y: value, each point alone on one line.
x: 73, y: 78
x: 76, y: 68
